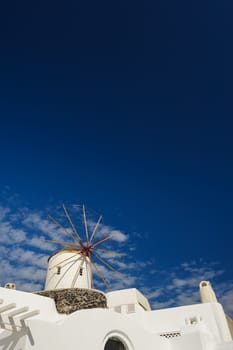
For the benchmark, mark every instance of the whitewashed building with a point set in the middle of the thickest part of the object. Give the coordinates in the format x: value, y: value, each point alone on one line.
x: 75, y: 317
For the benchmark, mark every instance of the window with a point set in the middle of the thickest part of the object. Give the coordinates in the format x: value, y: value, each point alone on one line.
x: 81, y: 271
x: 117, y: 309
x: 114, y: 344
x: 131, y: 308
x: 58, y: 270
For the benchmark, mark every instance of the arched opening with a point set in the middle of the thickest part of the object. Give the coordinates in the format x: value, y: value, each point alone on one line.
x: 114, y: 344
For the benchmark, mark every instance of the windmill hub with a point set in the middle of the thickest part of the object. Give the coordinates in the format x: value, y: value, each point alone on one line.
x: 86, y: 248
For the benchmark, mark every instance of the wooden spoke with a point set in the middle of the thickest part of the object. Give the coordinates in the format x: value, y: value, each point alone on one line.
x: 109, y: 252
x: 67, y: 244
x: 62, y: 227
x: 108, y: 265
x: 77, y: 272
x: 85, y: 223
x: 95, y: 228
x: 102, y: 240
x: 65, y: 273
x: 61, y: 262
x: 99, y: 273
x: 71, y: 223
x: 92, y: 280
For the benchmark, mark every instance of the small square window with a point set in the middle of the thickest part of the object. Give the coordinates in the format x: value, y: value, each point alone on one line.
x: 117, y: 309
x: 130, y: 308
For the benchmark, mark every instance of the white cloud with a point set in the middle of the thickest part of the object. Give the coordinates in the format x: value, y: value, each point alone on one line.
x: 46, y: 226
x: 152, y: 294
x: 10, y: 234
x: 29, y: 257
x: 104, y: 230
x: 39, y: 242
x: 3, y: 212
x: 29, y: 286
x: 20, y: 262
x: 227, y: 300
x: 119, y: 236
x: 32, y: 274
x: 157, y: 305
x: 180, y: 286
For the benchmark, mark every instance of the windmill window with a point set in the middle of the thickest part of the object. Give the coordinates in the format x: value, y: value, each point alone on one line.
x: 81, y: 271
x: 58, y: 270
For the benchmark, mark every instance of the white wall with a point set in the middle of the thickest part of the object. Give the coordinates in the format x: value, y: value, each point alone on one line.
x: 90, y: 329
x: 177, y: 319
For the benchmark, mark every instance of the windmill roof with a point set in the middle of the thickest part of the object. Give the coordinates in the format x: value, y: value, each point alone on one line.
x: 65, y: 249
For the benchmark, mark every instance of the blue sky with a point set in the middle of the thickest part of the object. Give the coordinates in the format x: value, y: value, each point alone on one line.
x: 127, y: 108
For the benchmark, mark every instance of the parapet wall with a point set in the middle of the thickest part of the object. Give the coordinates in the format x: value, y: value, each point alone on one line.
x: 73, y: 299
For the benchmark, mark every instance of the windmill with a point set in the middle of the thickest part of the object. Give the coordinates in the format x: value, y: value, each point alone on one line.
x: 72, y: 266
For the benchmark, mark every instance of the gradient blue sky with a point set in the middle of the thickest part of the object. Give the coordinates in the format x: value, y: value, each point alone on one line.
x: 126, y: 107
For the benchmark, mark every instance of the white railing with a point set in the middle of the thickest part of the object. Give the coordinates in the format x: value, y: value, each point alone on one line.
x: 13, y: 318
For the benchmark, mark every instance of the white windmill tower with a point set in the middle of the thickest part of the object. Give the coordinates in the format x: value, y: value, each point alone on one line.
x: 73, y: 265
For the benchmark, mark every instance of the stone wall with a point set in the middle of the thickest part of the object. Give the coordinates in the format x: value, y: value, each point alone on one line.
x: 73, y: 299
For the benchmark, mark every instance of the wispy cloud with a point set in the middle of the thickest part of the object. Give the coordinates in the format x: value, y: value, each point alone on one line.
x: 36, y: 222
x: 180, y: 285
x: 3, y: 212
x: 119, y: 236
x: 103, y: 230
x: 10, y: 235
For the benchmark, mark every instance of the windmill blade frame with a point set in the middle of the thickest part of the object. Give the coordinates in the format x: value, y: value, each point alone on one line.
x: 60, y: 279
x: 77, y: 272
x: 102, y: 240
x: 108, y: 265
x: 85, y: 224
x: 86, y: 250
x: 62, y: 227
x: 99, y: 273
x: 95, y: 228
x: 71, y: 223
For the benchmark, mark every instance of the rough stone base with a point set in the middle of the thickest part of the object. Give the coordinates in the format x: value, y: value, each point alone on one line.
x: 73, y: 299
